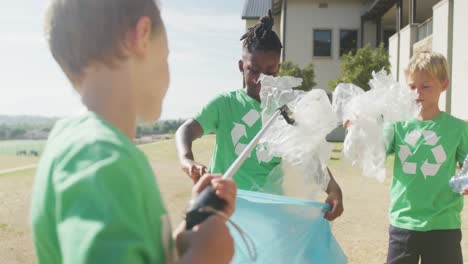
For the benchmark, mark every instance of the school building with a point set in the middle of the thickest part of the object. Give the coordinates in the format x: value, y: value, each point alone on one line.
x: 321, y: 31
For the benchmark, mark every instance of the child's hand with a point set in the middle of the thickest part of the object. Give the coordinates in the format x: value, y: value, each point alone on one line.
x: 225, y: 189
x: 208, y: 242
x: 335, y: 200
x: 465, y: 191
x: 193, y: 169
x: 346, y: 123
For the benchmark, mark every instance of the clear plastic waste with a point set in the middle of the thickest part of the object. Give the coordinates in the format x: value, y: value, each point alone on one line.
x: 459, y: 182
x: 302, y: 145
x: 387, y: 101
x: 342, y: 94
x: 276, y: 92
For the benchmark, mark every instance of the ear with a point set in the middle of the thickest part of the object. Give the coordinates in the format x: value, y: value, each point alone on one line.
x: 241, y: 66
x: 445, y: 85
x: 138, y: 39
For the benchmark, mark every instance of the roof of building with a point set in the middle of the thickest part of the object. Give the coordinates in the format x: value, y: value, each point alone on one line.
x: 254, y: 9
x: 377, y: 8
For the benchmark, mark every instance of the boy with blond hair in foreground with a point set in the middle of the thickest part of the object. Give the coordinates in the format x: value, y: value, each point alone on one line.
x: 424, y: 212
x: 95, y: 198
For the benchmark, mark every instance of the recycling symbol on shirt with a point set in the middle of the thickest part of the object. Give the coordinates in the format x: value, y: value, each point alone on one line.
x: 239, y: 130
x: 430, y: 139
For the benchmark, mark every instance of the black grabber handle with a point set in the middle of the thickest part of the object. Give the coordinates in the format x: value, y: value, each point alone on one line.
x: 207, y: 198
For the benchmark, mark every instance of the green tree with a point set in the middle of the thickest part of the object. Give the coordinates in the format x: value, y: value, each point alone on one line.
x: 4, y: 132
x: 162, y: 127
x: 17, y: 133
x: 307, y: 74
x: 357, y: 68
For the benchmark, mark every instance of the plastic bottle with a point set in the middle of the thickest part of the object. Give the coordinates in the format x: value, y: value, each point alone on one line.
x: 459, y: 182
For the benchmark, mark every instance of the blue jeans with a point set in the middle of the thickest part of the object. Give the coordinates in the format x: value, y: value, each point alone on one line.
x: 432, y: 247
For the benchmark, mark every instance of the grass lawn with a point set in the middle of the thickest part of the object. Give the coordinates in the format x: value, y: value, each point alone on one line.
x: 361, y: 231
x: 11, y: 147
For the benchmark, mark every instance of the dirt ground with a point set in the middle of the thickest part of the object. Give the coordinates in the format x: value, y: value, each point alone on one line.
x: 361, y: 231
x: 8, y: 162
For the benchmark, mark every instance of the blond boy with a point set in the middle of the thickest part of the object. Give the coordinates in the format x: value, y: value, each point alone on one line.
x: 95, y: 198
x: 424, y: 212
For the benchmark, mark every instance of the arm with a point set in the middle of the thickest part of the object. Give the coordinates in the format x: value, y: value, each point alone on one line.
x: 185, y: 135
x: 206, y: 121
x: 334, y: 199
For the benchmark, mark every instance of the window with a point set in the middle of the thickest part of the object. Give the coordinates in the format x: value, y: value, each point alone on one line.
x: 348, y: 41
x: 322, y: 43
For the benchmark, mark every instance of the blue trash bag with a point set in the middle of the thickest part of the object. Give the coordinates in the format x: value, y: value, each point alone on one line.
x: 283, y: 230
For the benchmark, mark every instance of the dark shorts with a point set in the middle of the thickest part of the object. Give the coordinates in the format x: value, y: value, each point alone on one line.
x: 431, y: 247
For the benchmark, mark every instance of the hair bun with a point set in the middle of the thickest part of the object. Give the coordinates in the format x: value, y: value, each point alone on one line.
x: 267, y: 21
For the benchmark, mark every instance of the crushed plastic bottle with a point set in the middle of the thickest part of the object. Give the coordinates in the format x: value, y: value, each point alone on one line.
x: 386, y: 101
x: 459, y: 182
x: 303, y: 144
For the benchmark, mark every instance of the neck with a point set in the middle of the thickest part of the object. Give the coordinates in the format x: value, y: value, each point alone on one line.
x: 253, y: 95
x: 107, y: 93
x: 428, y: 113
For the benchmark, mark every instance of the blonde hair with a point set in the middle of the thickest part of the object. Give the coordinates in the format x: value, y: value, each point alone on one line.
x: 432, y: 62
x: 83, y: 31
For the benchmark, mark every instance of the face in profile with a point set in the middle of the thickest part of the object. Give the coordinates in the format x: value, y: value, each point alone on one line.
x: 155, y: 79
x: 427, y: 87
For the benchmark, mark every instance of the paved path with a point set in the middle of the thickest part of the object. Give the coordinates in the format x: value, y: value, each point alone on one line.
x: 31, y: 166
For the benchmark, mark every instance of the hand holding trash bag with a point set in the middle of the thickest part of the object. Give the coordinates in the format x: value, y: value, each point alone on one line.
x: 335, y: 200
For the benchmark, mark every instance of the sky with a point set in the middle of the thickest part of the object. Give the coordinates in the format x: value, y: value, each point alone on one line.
x: 204, y: 50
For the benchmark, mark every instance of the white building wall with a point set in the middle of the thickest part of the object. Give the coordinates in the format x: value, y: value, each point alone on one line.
x: 393, y: 53
x: 281, y: 24
x: 370, y: 33
x: 440, y: 37
x: 303, y: 16
x: 277, y: 25
x: 250, y: 23
x: 407, y: 39
x: 440, y: 27
x: 460, y: 60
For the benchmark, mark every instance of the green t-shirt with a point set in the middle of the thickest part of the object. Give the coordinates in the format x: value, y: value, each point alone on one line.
x: 236, y: 119
x: 95, y: 199
x: 426, y: 153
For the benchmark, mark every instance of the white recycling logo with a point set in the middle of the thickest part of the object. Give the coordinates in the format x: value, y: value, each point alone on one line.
x: 430, y: 139
x: 239, y: 130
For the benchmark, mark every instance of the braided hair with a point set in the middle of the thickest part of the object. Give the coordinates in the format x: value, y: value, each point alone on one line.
x: 261, y: 36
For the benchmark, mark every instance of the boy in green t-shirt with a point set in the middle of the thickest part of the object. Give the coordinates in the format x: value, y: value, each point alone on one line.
x: 235, y: 117
x: 95, y: 198
x: 424, y: 212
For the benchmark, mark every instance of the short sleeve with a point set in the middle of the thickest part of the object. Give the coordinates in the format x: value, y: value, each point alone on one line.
x: 210, y: 115
x: 99, y: 212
